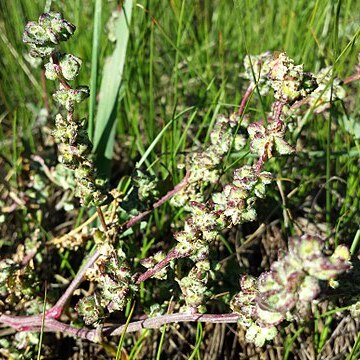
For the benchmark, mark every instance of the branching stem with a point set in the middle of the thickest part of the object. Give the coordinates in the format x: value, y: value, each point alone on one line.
x: 33, y: 323
x: 157, y: 204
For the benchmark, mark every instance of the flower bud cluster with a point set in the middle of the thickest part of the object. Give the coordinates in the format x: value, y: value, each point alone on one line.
x: 21, y: 346
x: 194, y: 285
x: 17, y: 282
x: 233, y: 206
x: 69, y: 97
x: 257, y: 68
x: 144, y: 192
x: 115, y: 286
x: 266, y: 138
x: 291, y: 283
x: 73, y: 141
x: 69, y: 65
x: 147, y: 186
x: 289, y: 81
x: 49, y: 31
x: 203, y: 166
x: 75, y: 153
x: 324, y: 93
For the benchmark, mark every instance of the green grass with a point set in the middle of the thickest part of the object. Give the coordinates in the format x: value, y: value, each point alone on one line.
x: 158, y: 99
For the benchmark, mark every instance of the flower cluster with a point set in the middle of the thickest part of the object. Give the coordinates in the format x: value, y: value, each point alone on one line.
x: 75, y: 153
x: 266, y: 138
x: 257, y: 68
x: 146, y: 185
x: 291, y: 284
x: 324, y: 93
x: 204, y: 166
x: 115, y: 286
x: 17, y: 283
x: 74, y: 144
x: 49, y: 31
x: 194, y: 286
x: 289, y: 81
x: 233, y: 206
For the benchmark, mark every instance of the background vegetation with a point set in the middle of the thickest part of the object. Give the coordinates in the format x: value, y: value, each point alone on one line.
x: 182, y: 67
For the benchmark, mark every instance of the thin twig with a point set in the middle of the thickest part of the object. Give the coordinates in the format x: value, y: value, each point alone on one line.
x: 56, y: 311
x: 58, y: 308
x: 352, y: 78
x: 157, y: 322
x: 165, y: 198
x: 33, y: 323
x: 172, y: 254
x: 245, y: 99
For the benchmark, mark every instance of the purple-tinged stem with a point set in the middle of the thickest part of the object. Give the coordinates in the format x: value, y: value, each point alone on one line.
x: 161, y: 201
x: 33, y: 323
x: 352, y: 78
x: 58, y: 71
x: 278, y: 110
x: 245, y: 99
x: 29, y: 256
x: 172, y: 254
x: 56, y: 311
x: 157, y: 322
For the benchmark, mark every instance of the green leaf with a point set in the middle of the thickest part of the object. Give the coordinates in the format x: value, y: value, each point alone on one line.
x: 105, y: 124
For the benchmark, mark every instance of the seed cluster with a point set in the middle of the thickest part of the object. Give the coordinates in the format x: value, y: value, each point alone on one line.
x: 70, y: 134
x: 289, y: 287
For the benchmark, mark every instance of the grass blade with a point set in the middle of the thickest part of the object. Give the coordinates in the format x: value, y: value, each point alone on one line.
x: 94, y: 66
x: 121, y: 341
x: 105, y: 124
x: 42, y: 326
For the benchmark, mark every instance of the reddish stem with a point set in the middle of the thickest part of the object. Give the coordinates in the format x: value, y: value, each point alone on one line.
x: 352, y: 78
x: 58, y: 71
x: 278, y: 110
x: 44, y: 95
x: 33, y: 323
x: 157, y: 322
x: 181, y: 185
x: 56, y: 311
x: 245, y: 99
x: 173, y: 254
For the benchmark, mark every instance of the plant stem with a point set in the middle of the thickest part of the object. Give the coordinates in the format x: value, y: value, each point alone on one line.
x: 157, y: 322
x: 58, y: 308
x: 352, y: 78
x: 245, y: 99
x: 56, y: 311
x: 102, y: 219
x: 172, y: 254
x: 33, y: 323
x: 182, y: 184
x: 278, y: 110
x: 58, y: 71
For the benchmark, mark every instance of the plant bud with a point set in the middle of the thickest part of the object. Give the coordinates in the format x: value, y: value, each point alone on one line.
x: 69, y: 64
x: 60, y: 28
x: 35, y: 34
x: 90, y: 309
x: 80, y: 93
